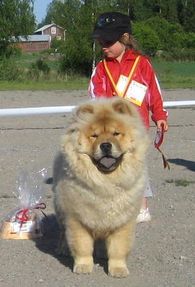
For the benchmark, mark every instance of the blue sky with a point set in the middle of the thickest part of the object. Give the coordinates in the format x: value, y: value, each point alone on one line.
x: 40, y: 9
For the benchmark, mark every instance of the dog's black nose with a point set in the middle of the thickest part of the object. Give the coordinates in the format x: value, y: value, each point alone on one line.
x: 106, y: 147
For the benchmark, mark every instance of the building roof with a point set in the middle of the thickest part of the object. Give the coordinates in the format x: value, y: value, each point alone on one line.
x: 46, y: 27
x: 33, y: 38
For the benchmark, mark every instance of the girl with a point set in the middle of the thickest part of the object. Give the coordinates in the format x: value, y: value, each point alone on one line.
x: 126, y: 73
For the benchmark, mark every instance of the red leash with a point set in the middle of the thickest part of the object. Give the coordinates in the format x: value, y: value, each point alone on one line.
x: 157, y: 143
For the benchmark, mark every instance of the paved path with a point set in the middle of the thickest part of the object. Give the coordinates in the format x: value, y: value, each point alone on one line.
x: 163, y: 254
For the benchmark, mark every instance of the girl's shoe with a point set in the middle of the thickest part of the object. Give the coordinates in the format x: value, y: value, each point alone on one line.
x: 143, y: 216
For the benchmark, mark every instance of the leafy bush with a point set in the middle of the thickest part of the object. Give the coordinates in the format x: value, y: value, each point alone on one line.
x: 170, y: 35
x: 42, y: 66
x: 9, y: 71
x: 57, y: 45
x: 166, y: 40
x: 189, y: 40
x: 33, y: 72
x: 161, y: 27
x: 147, y: 38
x: 8, y: 50
x: 182, y: 54
x: 77, y: 56
x: 38, y: 69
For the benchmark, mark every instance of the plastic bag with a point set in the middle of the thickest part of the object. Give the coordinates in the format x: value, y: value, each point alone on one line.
x: 24, y: 222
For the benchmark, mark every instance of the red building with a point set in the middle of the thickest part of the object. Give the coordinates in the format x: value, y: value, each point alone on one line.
x: 34, y: 43
x: 41, y: 39
x: 53, y: 30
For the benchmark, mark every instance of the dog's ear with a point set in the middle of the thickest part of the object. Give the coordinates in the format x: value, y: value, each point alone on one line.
x: 122, y: 107
x: 85, y: 109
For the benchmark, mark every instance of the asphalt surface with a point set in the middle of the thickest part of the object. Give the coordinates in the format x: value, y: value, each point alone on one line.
x: 164, y: 249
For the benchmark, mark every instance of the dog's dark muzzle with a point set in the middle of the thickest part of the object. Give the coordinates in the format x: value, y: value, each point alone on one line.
x: 106, y: 148
x: 107, y: 163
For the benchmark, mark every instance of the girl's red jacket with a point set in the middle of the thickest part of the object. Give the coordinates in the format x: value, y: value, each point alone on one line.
x: 100, y: 85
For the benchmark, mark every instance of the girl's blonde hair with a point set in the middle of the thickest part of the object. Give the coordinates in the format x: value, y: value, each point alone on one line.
x: 129, y: 41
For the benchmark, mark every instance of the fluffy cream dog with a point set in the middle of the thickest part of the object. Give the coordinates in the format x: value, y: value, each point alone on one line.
x: 99, y: 179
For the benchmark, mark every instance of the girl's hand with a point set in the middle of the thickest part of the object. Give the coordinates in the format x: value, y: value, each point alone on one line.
x: 160, y: 123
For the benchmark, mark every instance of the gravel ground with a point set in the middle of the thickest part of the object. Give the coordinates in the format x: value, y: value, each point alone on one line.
x: 163, y: 254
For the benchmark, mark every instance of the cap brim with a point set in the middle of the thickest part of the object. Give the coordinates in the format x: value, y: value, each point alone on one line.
x: 106, y: 35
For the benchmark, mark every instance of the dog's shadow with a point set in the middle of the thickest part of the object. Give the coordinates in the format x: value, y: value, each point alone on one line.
x: 48, y: 243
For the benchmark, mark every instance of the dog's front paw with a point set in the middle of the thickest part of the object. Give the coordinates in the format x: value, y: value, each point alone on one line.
x: 83, y: 266
x: 82, y: 269
x: 118, y: 270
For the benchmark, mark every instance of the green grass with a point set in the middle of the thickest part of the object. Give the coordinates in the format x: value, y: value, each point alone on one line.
x: 72, y: 84
x: 171, y: 75
x: 53, y: 81
x: 174, y: 75
x: 25, y: 60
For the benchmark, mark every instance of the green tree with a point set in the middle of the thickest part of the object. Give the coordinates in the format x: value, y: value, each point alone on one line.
x: 155, y: 26
x: 77, y: 18
x: 16, y: 18
x: 186, y: 14
x: 167, y: 10
x: 78, y: 45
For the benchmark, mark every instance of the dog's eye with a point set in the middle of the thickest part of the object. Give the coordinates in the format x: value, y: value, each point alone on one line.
x: 115, y: 134
x: 94, y: 136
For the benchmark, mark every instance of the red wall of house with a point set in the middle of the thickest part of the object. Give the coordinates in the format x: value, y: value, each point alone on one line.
x: 33, y: 46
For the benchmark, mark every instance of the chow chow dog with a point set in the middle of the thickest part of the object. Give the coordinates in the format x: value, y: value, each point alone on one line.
x: 98, y: 182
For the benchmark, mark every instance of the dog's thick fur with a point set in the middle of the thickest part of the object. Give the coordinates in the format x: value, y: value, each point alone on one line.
x: 99, y: 179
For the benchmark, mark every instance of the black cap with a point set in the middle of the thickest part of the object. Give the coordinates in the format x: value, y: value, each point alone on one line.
x: 111, y: 26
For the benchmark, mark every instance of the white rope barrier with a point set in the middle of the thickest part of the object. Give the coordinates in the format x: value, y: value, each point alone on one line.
x: 68, y: 109
x: 36, y: 111
x: 178, y: 104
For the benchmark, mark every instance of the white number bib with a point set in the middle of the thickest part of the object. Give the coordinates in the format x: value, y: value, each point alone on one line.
x: 136, y: 93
